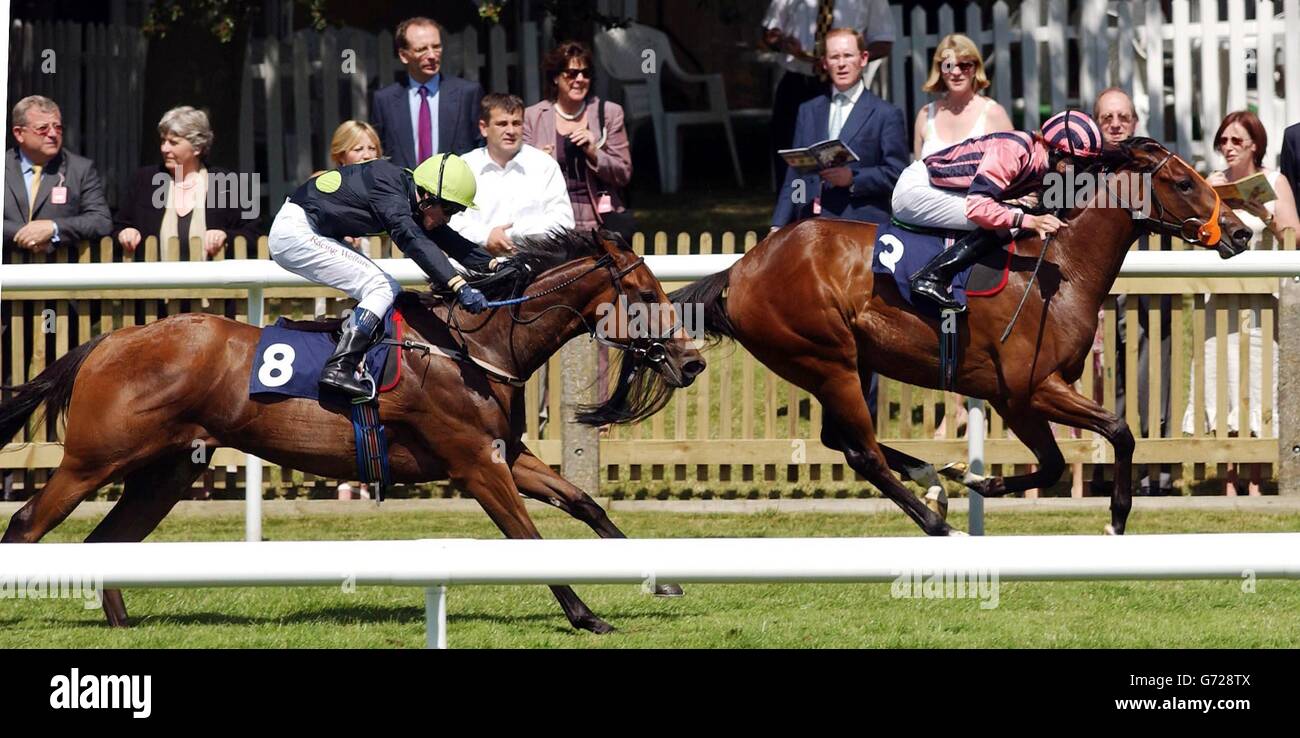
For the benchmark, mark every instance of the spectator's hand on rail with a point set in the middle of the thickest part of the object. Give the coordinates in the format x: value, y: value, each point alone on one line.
x: 35, y: 235
x: 130, y: 239
x: 214, y: 241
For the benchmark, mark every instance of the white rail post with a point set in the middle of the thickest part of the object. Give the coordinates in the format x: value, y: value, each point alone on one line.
x: 435, y: 616
x: 252, y: 464
x: 975, y: 459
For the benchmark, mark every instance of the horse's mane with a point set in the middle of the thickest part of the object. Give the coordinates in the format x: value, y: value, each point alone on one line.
x: 534, y: 255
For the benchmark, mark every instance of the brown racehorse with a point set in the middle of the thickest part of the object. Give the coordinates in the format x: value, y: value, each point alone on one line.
x: 137, y: 398
x: 806, y: 304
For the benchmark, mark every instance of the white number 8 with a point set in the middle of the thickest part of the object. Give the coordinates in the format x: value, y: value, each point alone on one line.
x: 277, y: 365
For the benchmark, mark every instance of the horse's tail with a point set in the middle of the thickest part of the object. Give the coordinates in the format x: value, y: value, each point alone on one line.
x: 52, y: 387
x: 711, y: 294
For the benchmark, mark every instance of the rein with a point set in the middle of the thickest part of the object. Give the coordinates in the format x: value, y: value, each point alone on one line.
x: 1191, y: 229
x: 649, y: 348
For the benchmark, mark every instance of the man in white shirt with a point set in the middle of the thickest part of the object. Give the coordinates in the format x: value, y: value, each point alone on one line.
x: 798, y: 28
x: 521, y: 190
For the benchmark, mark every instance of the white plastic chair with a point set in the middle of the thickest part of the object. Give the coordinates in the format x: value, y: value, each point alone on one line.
x: 625, y: 54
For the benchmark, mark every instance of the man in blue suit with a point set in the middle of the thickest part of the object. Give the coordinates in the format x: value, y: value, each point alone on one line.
x: 875, y: 130
x: 428, y: 112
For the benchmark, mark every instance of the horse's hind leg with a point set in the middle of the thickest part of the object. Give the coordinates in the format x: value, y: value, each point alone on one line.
x: 149, y: 494
x: 537, y: 480
x: 71, y: 483
x: 846, y: 405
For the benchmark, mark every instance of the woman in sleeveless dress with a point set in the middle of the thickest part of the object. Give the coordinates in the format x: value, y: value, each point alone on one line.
x: 1242, y: 141
x: 959, y: 113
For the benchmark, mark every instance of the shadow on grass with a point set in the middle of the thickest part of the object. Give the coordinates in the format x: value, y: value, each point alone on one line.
x: 361, y: 615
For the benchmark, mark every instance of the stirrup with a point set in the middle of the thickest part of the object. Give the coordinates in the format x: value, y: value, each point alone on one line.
x: 374, y: 388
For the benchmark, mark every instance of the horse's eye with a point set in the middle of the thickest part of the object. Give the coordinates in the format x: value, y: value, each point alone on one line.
x: 648, y: 296
x: 1185, y: 185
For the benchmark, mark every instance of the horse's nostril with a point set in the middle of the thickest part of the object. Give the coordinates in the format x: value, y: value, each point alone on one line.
x: 693, y: 368
x: 1242, y: 236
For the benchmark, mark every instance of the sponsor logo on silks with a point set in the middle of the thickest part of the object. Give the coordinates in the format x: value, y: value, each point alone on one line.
x: 77, y: 691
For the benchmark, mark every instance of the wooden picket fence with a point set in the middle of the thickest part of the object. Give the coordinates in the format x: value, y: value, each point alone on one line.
x: 739, y: 430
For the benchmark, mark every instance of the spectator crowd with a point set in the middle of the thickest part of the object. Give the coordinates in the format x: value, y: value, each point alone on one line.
x: 565, y: 162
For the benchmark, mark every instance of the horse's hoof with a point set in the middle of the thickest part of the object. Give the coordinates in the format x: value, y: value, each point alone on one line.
x: 668, y: 590
x: 595, y: 625
x: 1110, y: 530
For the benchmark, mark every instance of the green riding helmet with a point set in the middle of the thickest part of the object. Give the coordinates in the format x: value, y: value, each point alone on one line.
x: 447, y: 177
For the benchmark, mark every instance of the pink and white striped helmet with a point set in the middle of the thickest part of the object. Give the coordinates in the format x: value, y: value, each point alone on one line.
x: 1073, y: 133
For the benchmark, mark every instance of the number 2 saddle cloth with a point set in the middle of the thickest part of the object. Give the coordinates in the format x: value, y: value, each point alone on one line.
x: 902, y: 251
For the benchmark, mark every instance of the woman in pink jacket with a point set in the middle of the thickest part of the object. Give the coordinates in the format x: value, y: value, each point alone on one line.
x: 585, y: 135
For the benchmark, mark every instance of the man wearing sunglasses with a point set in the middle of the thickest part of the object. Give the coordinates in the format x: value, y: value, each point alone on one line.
x: 52, y: 196
x: 373, y: 197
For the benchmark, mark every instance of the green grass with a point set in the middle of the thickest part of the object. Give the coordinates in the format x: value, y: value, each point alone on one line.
x: 1039, y: 614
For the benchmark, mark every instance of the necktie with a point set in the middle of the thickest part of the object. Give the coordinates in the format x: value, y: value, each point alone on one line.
x: 36, y: 186
x: 426, y: 126
x: 837, y: 114
x: 825, y: 19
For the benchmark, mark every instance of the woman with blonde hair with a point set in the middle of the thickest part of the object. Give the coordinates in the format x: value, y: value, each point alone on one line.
x: 958, y: 113
x: 354, y: 141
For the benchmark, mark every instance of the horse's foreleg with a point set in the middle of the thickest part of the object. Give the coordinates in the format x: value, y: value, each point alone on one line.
x: 1058, y: 401
x: 149, y: 494
x: 494, y: 488
x: 1034, y: 431
x: 539, y: 481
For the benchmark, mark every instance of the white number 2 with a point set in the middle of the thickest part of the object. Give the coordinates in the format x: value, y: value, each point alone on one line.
x: 277, y: 365
x: 894, y: 255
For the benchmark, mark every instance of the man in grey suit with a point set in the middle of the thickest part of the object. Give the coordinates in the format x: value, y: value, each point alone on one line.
x: 428, y: 112
x: 52, y: 196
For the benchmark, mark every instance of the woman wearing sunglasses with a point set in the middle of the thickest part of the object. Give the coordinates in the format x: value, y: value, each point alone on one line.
x: 1242, y: 141
x: 958, y: 113
x: 585, y: 135
x: 373, y: 197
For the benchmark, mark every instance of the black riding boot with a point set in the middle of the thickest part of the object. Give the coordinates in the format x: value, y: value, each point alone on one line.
x: 933, y: 279
x: 340, y: 371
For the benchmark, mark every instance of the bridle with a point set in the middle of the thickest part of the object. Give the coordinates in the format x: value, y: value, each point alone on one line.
x: 647, y: 348
x: 1192, y: 229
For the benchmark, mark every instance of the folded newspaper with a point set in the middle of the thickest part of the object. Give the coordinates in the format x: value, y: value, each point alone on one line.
x: 822, y: 155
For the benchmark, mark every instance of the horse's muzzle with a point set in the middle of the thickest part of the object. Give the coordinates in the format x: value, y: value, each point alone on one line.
x: 1240, y: 241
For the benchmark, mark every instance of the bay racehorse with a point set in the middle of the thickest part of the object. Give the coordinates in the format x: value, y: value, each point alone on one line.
x: 137, y: 399
x: 806, y: 303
